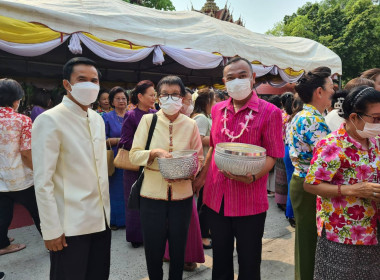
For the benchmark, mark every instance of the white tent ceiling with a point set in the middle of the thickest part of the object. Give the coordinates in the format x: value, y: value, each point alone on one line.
x: 114, y: 19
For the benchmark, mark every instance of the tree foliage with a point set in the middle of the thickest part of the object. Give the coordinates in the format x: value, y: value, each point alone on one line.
x: 350, y: 28
x: 166, y: 5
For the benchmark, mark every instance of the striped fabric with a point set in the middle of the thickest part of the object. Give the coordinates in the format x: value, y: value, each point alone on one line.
x: 264, y: 130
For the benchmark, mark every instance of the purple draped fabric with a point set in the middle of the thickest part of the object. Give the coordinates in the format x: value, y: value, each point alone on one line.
x: 132, y: 217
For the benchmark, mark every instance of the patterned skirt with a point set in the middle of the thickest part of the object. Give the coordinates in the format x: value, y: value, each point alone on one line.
x: 281, y: 182
x: 336, y: 261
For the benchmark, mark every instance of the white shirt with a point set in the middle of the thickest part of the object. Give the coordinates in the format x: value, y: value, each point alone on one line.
x: 15, y: 136
x: 333, y: 120
x: 70, y: 171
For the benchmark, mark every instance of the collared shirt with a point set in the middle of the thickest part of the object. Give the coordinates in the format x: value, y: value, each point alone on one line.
x: 265, y: 130
x: 181, y: 134
x: 15, y: 136
x: 341, y: 160
x: 306, y: 128
x: 70, y: 171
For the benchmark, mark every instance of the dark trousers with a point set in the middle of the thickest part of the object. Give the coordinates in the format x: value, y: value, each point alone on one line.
x: 202, y: 213
x: 87, y: 257
x: 161, y: 221
x: 248, y: 231
x: 27, y: 198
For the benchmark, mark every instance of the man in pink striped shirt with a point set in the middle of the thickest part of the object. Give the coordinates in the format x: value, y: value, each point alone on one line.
x: 237, y: 205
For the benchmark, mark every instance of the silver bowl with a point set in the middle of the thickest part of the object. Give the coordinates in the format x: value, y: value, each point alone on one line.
x: 239, y: 158
x: 182, y: 165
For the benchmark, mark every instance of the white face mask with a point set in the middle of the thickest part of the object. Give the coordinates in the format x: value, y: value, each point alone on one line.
x: 239, y: 89
x: 169, y: 106
x: 370, y: 130
x: 85, y: 93
x: 188, y: 109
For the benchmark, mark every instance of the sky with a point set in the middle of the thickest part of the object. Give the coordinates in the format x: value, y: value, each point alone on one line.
x: 258, y: 15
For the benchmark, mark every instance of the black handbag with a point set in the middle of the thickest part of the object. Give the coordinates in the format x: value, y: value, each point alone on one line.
x: 134, y: 196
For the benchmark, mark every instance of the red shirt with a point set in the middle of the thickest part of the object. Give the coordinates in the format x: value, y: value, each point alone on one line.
x: 265, y: 130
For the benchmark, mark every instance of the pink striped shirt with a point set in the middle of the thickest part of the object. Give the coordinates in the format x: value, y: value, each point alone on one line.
x: 264, y: 130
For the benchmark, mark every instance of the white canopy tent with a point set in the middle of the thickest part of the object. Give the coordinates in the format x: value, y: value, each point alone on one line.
x: 194, y: 40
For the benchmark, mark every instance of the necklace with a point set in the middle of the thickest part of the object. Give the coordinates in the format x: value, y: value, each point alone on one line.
x: 119, y: 118
x: 244, y: 126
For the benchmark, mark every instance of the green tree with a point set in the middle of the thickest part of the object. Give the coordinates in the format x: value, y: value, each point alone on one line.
x: 166, y: 5
x: 350, y: 28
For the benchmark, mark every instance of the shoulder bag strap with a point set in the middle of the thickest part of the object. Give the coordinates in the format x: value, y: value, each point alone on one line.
x: 150, y: 135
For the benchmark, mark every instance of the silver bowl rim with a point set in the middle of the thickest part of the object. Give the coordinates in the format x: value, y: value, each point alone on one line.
x: 192, y: 153
x: 219, y: 147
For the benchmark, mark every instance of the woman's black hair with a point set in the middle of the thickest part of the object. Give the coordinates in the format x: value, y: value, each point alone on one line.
x: 205, y: 97
x: 221, y: 95
x: 297, y: 106
x: 311, y: 81
x: 275, y: 100
x: 171, y: 80
x: 338, y: 96
x: 10, y: 91
x: 287, y: 99
x: 101, y: 91
x: 285, y: 96
x: 41, y: 97
x: 141, y: 87
x: 114, y: 91
x: 358, y: 99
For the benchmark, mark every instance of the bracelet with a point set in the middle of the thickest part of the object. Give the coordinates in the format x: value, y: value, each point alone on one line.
x: 339, y: 190
x: 253, y: 178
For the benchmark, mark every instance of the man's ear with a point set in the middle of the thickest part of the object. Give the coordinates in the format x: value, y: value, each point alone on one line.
x: 254, y: 78
x: 66, y: 85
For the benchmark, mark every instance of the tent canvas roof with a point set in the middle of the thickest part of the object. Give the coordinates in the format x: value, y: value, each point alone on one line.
x: 114, y: 19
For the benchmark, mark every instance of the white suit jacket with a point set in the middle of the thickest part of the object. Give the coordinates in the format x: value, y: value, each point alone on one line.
x: 70, y: 171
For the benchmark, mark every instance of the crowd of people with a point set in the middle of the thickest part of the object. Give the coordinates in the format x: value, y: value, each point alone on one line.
x: 322, y: 165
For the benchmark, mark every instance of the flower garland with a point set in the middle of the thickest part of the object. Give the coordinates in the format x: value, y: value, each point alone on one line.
x: 229, y: 133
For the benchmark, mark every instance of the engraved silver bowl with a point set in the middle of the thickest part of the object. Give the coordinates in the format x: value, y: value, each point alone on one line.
x: 182, y: 165
x: 239, y: 158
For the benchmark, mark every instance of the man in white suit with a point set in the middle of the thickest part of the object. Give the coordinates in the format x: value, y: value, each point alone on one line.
x: 71, y: 180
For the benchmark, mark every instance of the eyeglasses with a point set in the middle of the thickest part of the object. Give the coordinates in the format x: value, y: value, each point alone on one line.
x: 174, y: 96
x: 375, y: 119
x: 121, y: 99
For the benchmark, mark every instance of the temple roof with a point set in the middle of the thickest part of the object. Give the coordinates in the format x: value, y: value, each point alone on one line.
x: 211, y: 9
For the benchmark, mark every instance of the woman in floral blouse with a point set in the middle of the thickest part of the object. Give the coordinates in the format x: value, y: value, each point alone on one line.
x: 344, y: 173
x: 306, y: 128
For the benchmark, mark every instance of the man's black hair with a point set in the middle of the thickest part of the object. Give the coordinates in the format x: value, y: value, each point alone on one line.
x: 236, y: 59
x: 69, y: 66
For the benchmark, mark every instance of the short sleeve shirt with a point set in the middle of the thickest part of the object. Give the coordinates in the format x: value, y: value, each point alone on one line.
x: 339, y: 159
x: 204, y: 126
x: 15, y: 136
x: 306, y: 128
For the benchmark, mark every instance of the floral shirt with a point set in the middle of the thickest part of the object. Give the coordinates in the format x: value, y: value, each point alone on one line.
x: 339, y: 159
x: 15, y: 136
x: 306, y: 128
x: 285, y: 123
x: 101, y: 112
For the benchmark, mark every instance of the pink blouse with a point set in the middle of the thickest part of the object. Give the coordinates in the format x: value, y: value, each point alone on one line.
x: 265, y: 130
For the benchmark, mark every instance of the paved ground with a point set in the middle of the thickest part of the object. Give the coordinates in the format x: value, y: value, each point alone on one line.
x: 32, y: 263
